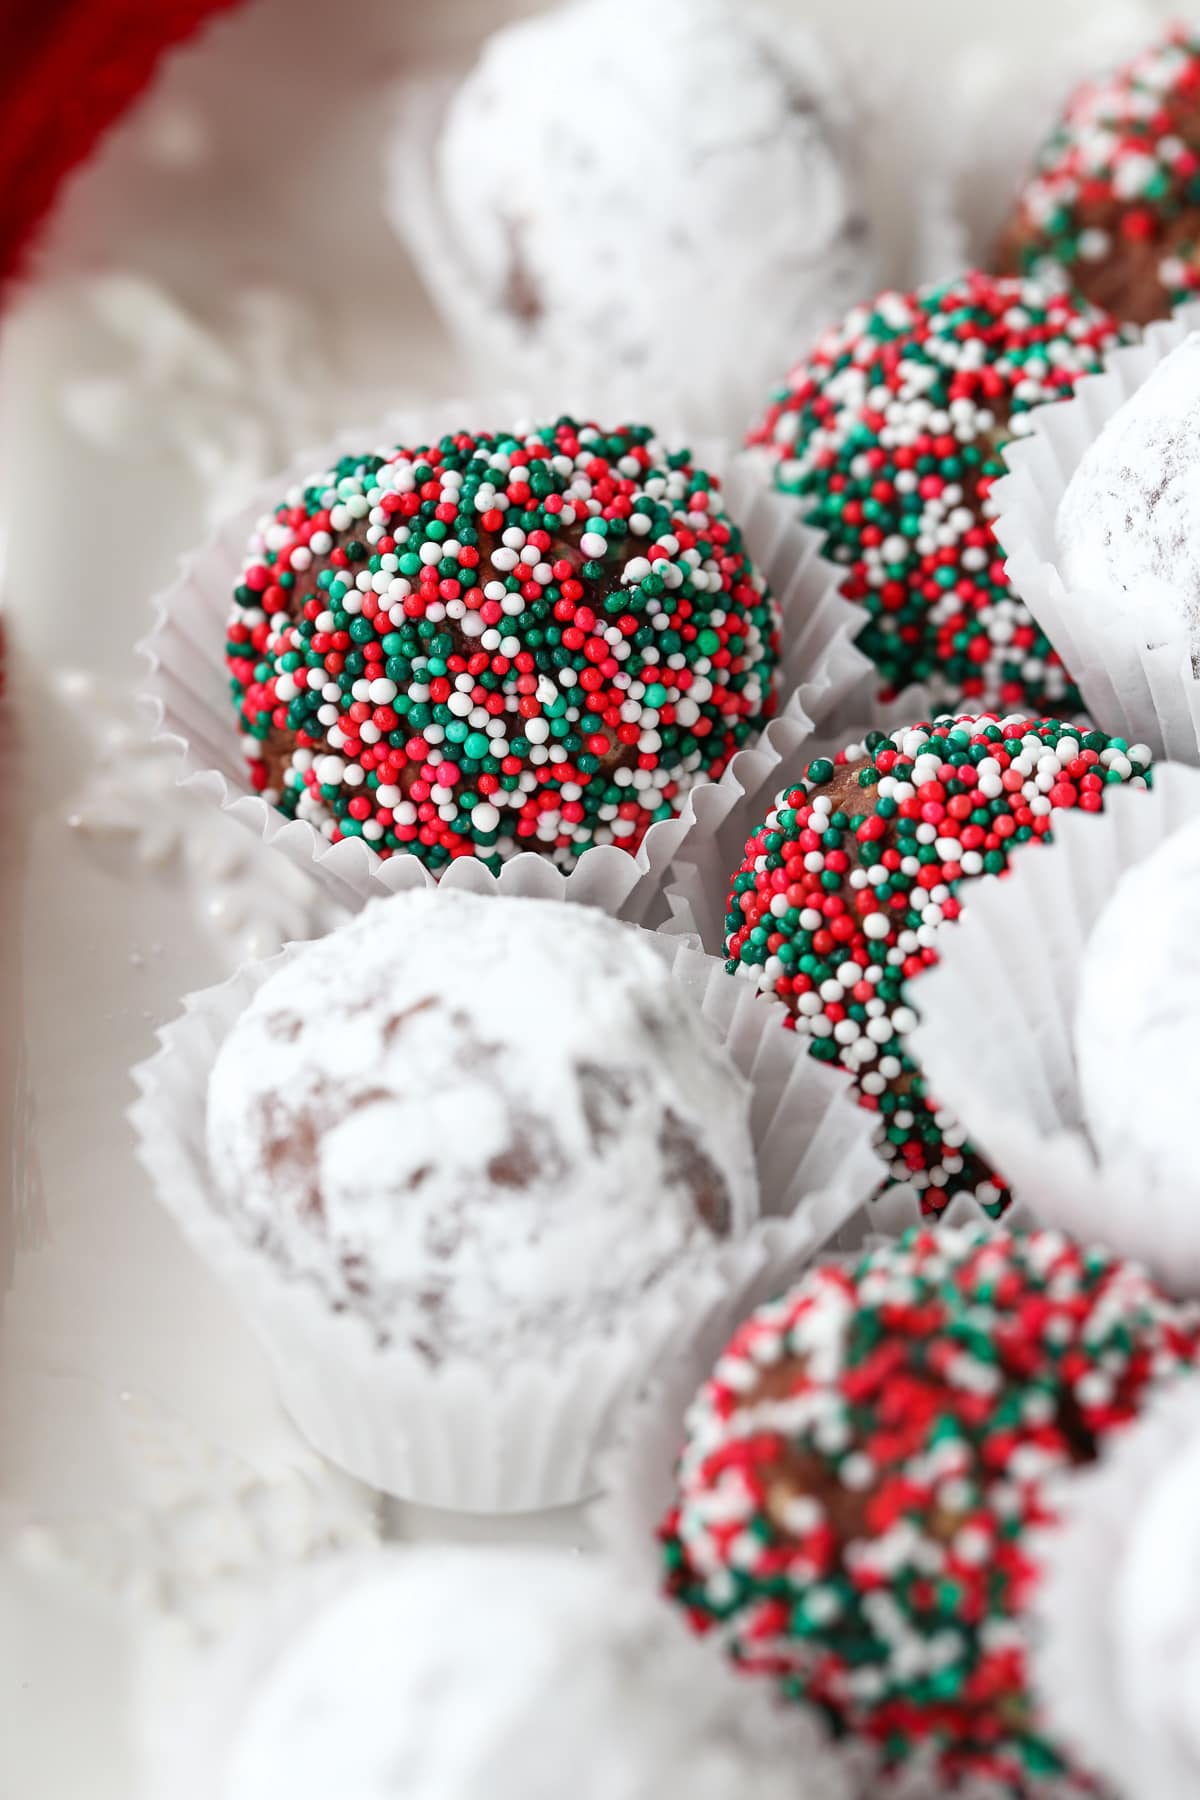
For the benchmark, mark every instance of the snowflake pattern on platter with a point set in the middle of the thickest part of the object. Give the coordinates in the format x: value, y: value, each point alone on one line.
x: 220, y: 397
x: 252, y: 898
x: 213, y: 1527
x: 188, y: 1563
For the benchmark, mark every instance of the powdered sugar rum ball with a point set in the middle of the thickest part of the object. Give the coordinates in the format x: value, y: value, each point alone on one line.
x: 1128, y: 525
x: 889, y: 436
x: 617, y: 180
x: 1116, y: 1658
x: 490, y: 1127
x: 1137, y: 1022
x: 862, y: 1474
x: 529, y: 640
x: 455, y: 1674
x: 847, y: 886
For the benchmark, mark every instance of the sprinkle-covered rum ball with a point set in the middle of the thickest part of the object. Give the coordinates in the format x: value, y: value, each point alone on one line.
x: 863, y: 1468
x: 889, y: 436
x: 1114, y: 198
x: 845, y: 887
x: 538, y: 640
x: 489, y: 1127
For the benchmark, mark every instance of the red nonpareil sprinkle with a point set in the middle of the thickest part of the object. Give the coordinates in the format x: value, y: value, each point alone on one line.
x: 862, y: 1471
x: 889, y: 434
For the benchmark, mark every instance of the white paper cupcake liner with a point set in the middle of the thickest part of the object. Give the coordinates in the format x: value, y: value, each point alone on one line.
x: 1116, y: 1661
x: 1144, y: 694
x: 898, y: 1209
x: 996, y: 1032
x: 187, y: 689
x: 529, y: 1435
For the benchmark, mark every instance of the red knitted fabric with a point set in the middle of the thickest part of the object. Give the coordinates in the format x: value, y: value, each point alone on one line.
x: 68, y: 69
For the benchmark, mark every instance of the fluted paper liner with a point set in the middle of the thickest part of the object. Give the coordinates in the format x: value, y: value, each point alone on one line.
x: 187, y: 689
x: 996, y: 1033
x: 526, y: 1436
x: 1131, y: 689
x: 898, y: 1209
x: 1116, y: 1658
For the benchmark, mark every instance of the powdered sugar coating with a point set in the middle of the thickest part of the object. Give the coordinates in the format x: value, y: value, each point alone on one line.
x: 447, y: 1674
x: 1129, y: 523
x: 1137, y: 1025
x: 1117, y: 1652
x: 617, y: 178
x: 486, y: 1125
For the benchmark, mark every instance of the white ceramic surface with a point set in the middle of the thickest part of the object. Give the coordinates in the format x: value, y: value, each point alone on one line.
x: 146, y: 1473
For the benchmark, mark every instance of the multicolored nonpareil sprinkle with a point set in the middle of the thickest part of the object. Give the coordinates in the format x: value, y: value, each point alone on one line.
x: 862, y: 1468
x: 845, y: 887
x: 1114, y: 199
x: 530, y: 641
x: 889, y: 436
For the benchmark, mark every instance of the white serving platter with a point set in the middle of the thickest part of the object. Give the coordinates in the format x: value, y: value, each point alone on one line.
x: 204, y: 306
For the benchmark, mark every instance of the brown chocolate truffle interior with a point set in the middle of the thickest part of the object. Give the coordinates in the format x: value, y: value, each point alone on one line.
x: 797, y: 1473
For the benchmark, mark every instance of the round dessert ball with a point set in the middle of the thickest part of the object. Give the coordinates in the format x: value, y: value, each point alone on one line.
x: 862, y: 1470
x: 489, y: 1127
x: 1114, y: 197
x: 450, y: 1674
x: 615, y: 179
x: 1137, y: 1021
x: 535, y: 640
x: 846, y: 887
x: 1117, y: 1609
x: 890, y: 434
x: 1128, y: 525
